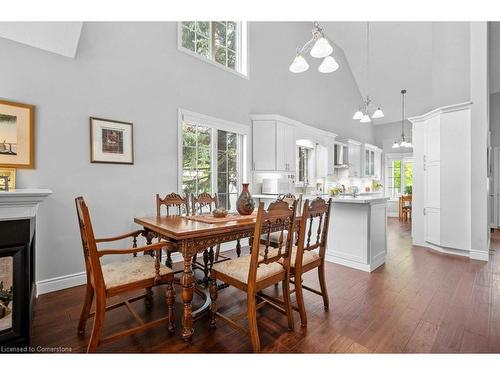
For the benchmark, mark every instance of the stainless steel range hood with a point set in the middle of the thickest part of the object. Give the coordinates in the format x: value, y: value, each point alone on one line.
x: 341, y: 156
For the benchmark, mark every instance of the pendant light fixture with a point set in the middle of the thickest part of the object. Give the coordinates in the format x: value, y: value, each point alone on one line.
x: 402, y: 142
x: 362, y: 113
x: 319, y: 47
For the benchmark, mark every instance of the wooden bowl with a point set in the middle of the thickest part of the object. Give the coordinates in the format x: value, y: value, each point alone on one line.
x: 219, y: 213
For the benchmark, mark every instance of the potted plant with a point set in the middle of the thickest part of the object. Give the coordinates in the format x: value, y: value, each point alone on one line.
x: 408, y: 189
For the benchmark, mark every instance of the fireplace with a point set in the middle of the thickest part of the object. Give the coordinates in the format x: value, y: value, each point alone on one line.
x: 18, y: 212
x: 16, y: 281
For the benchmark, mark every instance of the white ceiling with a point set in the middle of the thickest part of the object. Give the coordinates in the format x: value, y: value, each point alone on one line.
x: 57, y: 37
x: 400, y: 57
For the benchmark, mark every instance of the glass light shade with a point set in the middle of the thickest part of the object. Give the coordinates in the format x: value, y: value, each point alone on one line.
x: 395, y: 144
x: 409, y: 144
x: 321, y: 48
x: 328, y: 65
x: 378, y: 113
x: 365, y: 119
x: 404, y: 144
x: 358, y: 115
x: 299, y: 64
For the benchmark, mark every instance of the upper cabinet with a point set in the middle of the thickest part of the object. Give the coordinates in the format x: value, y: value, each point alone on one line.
x: 354, y: 152
x: 371, y: 161
x: 273, y: 143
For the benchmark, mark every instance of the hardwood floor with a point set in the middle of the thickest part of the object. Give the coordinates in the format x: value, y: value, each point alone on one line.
x: 418, y: 302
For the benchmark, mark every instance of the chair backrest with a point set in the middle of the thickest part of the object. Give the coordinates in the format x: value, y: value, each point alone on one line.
x: 90, y: 255
x: 174, y: 203
x: 313, y: 228
x: 291, y: 199
x: 279, y: 217
x: 204, y: 203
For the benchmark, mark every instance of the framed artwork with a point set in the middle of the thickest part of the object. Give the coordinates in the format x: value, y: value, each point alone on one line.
x: 7, y: 179
x: 111, y: 141
x: 17, y: 135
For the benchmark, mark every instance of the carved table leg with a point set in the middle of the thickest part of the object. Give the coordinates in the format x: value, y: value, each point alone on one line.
x: 238, y: 248
x: 168, y: 262
x: 205, y: 266
x: 187, y: 297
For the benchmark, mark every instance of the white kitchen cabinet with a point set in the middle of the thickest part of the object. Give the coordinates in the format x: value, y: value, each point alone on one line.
x: 378, y: 165
x: 273, y: 145
x: 330, y: 144
x: 322, y: 161
x: 354, y: 158
x: 441, y: 206
x: 371, y: 155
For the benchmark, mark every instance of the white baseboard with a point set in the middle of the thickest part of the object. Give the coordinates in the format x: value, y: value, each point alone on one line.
x: 80, y: 278
x: 472, y: 254
x: 60, y: 282
x: 479, y: 255
x: 348, y: 263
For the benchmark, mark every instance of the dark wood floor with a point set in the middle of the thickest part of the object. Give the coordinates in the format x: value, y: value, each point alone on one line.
x: 418, y: 302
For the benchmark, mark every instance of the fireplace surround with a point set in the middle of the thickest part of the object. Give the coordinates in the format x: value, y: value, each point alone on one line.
x: 18, y: 210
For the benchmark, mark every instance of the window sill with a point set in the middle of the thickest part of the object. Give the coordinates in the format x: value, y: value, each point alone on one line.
x: 213, y: 63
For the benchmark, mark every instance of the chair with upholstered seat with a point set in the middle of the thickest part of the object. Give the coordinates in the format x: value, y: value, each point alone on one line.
x: 291, y: 200
x: 111, y: 279
x: 174, y: 205
x: 405, y: 207
x: 259, y: 270
x: 309, y: 253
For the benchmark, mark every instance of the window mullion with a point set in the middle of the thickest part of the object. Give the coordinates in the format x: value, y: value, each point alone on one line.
x: 214, y: 167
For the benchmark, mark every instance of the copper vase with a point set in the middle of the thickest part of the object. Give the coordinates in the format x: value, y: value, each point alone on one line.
x: 245, y: 203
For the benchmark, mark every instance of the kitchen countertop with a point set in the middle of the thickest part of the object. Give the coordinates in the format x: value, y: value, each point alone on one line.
x: 366, y: 199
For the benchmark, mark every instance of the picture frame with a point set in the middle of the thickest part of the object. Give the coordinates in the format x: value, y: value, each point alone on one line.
x: 111, y: 141
x: 7, y: 176
x: 17, y: 135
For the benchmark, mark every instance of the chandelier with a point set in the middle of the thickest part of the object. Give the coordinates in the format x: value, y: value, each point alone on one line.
x: 319, y: 47
x: 362, y: 112
x: 402, y: 142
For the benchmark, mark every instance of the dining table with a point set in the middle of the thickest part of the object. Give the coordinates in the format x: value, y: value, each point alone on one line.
x: 192, y: 235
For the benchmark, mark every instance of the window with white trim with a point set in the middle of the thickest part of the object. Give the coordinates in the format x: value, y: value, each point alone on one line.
x: 212, y: 159
x: 221, y: 42
x: 399, y: 176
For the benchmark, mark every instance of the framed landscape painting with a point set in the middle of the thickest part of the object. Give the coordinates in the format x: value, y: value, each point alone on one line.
x: 111, y: 141
x: 16, y: 135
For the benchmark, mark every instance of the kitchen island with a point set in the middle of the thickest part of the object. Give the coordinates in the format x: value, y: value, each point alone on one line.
x: 357, y: 234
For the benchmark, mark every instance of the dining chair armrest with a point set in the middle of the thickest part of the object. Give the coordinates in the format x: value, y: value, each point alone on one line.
x: 126, y: 235
x: 153, y: 247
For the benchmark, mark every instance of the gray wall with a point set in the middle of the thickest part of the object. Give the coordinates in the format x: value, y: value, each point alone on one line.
x: 450, y: 63
x: 495, y: 119
x: 386, y: 134
x: 134, y: 72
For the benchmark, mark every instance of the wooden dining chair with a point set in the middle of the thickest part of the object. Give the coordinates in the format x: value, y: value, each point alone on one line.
x: 309, y: 254
x: 205, y: 204
x: 292, y: 201
x: 174, y: 205
x: 111, y: 279
x: 256, y: 271
x: 405, y: 207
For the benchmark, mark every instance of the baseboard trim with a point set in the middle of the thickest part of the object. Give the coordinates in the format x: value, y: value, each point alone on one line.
x: 479, y: 255
x: 471, y: 254
x: 351, y: 264
x: 80, y: 278
x: 60, y: 282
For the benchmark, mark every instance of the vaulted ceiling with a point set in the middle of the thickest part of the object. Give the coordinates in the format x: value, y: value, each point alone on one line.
x: 400, y: 56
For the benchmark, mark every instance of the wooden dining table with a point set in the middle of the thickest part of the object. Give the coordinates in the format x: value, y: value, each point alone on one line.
x: 192, y: 235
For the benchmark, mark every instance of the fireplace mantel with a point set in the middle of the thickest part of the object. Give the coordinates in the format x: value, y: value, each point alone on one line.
x: 21, y: 203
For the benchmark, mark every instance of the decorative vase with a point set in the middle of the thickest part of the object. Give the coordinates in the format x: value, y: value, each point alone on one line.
x: 245, y: 203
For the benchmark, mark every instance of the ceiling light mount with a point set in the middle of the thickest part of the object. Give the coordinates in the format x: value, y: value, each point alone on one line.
x: 318, y: 47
